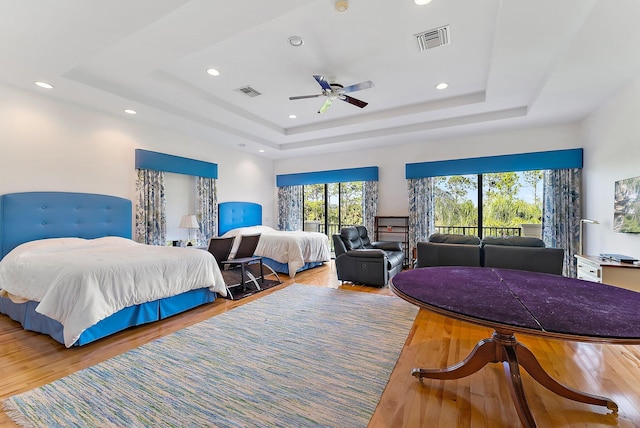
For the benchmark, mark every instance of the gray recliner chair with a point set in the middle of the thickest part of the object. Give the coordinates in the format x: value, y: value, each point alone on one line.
x: 361, y: 261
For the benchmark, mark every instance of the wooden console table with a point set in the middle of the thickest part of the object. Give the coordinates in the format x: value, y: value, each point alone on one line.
x: 605, y: 271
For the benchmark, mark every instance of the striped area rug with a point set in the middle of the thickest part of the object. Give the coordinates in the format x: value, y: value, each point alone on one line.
x: 302, y: 356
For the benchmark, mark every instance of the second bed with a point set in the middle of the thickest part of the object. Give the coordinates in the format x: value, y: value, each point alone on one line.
x: 285, y: 252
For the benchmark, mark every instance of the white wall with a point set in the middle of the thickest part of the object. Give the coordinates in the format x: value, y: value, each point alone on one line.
x: 47, y: 145
x: 612, y: 152
x: 51, y: 145
x: 391, y: 161
x: 181, y: 200
x: 610, y: 137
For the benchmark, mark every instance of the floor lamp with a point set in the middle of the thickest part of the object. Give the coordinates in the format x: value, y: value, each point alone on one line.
x: 189, y: 222
x: 582, y: 222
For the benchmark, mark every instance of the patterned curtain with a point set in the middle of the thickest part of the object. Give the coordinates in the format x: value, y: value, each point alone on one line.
x: 206, y: 209
x: 561, y: 213
x: 151, y: 220
x: 421, y: 210
x: 290, y: 207
x: 369, y: 204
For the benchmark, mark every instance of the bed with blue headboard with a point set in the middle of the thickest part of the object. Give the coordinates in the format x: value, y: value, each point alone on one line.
x: 285, y: 252
x: 34, y: 216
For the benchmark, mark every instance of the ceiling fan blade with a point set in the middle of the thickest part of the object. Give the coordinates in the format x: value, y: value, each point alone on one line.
x: 322, y: 82
x: 325, y: 106
x: 356, y: 102
x: 358, y: 86
x: 301, y: 97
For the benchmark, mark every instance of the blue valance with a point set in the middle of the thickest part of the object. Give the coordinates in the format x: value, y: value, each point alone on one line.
x: 168, y: 163
x: 369, y: 173
x: 556, y: 159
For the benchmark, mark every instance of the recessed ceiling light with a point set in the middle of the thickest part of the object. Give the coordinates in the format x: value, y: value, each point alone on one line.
x: 261, y: 150
x: 44, y: 85
x: 129, y: 111
x: 213, y: 72
x: 295, y: 41
x: 442, y: 85
x: 292, y: 116
x: 422, y: 2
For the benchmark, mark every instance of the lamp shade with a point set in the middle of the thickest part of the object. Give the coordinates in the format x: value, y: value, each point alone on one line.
x: 189, y: 221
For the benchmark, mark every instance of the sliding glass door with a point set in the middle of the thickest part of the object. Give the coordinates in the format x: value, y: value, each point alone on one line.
x: 512, y: 204
x: 314, y: 207
x: 350, y: 204
x: 493, y: 204
x: 456, y: 204
x: 329, y: 207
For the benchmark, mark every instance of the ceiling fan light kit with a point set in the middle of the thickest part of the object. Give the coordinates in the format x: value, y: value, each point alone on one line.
x: 342, y: 5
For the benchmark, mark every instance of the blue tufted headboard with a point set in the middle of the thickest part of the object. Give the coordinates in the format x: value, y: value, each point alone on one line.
x: 38, y: 215
x: 232, y: 215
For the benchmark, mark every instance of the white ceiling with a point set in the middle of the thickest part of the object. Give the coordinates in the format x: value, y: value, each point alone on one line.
x: 510, y: 64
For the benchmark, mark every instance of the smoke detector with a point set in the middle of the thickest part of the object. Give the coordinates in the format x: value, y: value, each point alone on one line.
x: 342, y: 5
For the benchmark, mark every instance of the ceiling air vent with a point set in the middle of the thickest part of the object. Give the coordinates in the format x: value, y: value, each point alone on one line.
x: 433, y: 38
x: 248, y: 91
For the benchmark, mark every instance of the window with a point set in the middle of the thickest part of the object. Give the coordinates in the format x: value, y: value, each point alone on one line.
x: 329, y: 207
x: 314, y: 207
x: 491, y: 204
x: 330, y: 199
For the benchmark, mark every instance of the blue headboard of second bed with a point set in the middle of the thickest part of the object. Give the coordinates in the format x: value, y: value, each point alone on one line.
x: 232, y: 215
x: 30, y: 216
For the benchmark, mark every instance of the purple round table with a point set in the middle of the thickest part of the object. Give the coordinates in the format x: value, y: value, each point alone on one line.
x: 511, y: 301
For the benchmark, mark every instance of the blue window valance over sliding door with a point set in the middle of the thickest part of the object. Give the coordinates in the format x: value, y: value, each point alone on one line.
x: 556, y: 159
x: 369, y: 173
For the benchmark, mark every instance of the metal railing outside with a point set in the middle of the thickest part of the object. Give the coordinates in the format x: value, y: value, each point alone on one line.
x: 486, y: 231
x: 333, y: 229
x: 320, y: 227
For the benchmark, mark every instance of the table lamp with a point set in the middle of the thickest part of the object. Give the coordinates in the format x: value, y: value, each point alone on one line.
x: 189, y: 222
x: 582, y: 222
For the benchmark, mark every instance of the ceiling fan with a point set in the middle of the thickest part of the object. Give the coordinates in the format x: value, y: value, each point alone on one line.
x: 336, y: 91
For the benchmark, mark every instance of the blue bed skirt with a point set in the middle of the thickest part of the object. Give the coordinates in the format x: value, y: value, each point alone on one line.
x: 132, y: 316
x: 284, y: 268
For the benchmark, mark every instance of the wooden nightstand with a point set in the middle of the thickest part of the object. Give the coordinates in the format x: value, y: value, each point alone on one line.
x: 597, y: 269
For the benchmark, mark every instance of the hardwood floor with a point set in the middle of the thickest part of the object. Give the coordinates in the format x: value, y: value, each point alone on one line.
x: 29, y: 360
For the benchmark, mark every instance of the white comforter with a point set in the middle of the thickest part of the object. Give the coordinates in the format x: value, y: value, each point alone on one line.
x: 79, y: 282
x: 295, y: 248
